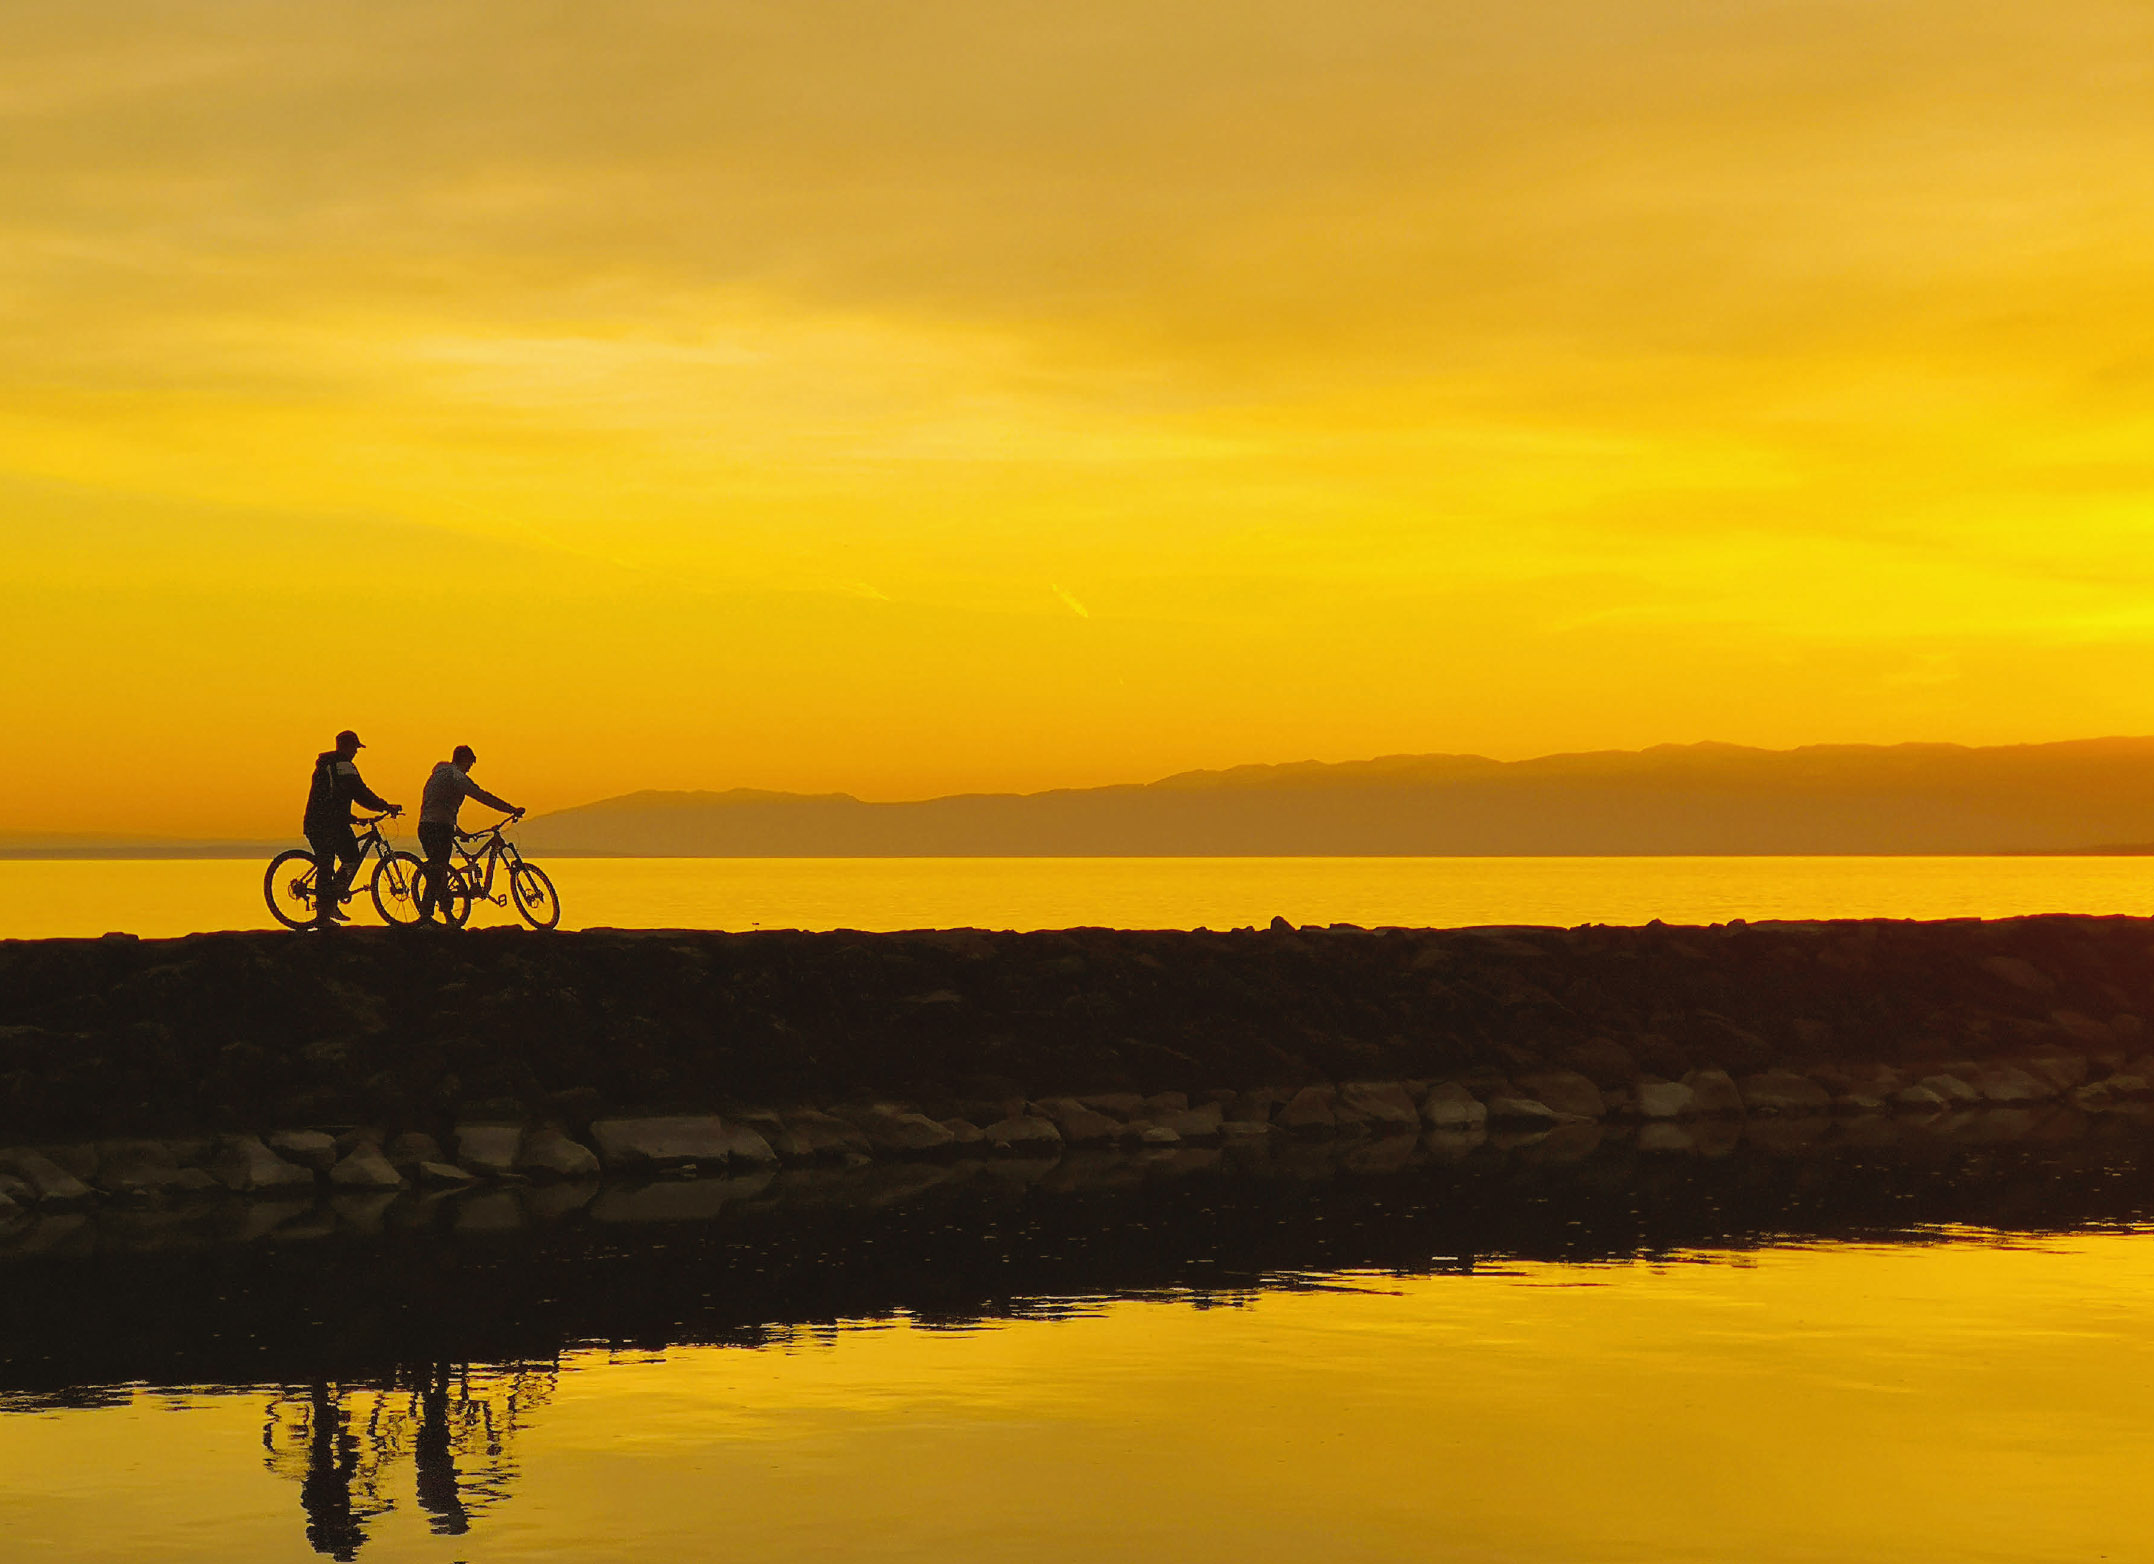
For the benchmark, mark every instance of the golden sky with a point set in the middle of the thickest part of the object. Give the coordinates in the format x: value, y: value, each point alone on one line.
x: 905, y: 399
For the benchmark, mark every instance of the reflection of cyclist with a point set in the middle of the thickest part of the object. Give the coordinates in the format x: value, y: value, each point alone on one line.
x: 337, y: 786
x: 446, y: 789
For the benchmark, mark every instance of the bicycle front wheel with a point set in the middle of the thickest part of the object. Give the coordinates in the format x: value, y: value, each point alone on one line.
x: 395, y: 889
x: 534, y: 895
x: 288, y: 887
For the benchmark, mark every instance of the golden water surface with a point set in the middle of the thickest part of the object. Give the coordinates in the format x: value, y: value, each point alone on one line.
x: 1971, y: 1400
x: 157, y: 898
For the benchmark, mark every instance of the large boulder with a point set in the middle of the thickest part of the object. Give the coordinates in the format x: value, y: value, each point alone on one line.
x: 772, y: 1127
x: 314, y: 1149
x: 963, y: 1132
x: 1449, y: 1106
x: 1199, y: 1123
x: 906, y: 1133
x: 656, y: 1144
x: 1662, y: 1100
x: 1311, y: 1110
x: 1567, y: 1091
x: 1080, y: 1126
x: 244, y: 1165
x: 1713, y: 1092
x: 821, y: 1134
x: 411, y: 1148
x: 547, y: 1153
x: 488, y: 1150
x: 49, y: 1182
x: 1386, y: 1102
x: 79, y: 1159
x: 2063, y: 1071
x: 2096, y: 1095
x: 1950, y: 1089
x: 2005, y: 1083
x: 1024, y: 1132
x: 364, y: 1167
x: 1783, y: 1091
x: 137, y: 1168
x: 747, y: 1150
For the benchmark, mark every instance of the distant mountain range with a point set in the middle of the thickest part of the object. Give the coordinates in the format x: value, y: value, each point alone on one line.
x: 2089, y: 795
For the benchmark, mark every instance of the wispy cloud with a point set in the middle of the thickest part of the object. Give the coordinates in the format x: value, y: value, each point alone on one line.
x: 1072, y: 604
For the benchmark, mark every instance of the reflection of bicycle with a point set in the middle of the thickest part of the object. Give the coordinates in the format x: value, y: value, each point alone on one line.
x: 528, y: 886
x: 289, y: 886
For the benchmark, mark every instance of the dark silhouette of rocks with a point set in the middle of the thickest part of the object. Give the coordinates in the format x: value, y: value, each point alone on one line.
x: 1675, y: 798
x: 361, y: 1290
x: 241, y: 1036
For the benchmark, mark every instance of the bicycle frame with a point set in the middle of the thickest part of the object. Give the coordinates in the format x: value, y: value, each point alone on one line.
x: 372, y: 844
x: 498, y: 849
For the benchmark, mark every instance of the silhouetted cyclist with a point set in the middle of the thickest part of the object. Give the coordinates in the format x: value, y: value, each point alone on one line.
x: 447, y: 786
x: 337, y: 786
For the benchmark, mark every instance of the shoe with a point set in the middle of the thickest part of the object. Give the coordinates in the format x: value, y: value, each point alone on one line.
x: 340, y: 915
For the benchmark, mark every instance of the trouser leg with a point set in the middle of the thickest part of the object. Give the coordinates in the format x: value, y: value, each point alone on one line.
x: 436, y: 840
x: 325, y: 875
x: 345, y: 845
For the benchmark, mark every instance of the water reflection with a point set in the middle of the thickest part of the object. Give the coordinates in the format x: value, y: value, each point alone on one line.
x: 400, y: 1349
x: 346, y: 1446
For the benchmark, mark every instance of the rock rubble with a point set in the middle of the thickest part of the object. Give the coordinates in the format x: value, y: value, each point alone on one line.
x: 1381, y: 1123
x: 268, y: 1066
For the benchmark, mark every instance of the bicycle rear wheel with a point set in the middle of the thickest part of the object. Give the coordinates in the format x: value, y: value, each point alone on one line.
x: 534, y: 896
x: 395, y: 889
x: 288, y: 887
x: 450, y: 900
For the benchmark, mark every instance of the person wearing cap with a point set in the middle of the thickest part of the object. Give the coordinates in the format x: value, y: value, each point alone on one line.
x: 447, y: 786
x: 337, y: 786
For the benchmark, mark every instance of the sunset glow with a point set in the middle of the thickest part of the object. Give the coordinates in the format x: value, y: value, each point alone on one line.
x: 912, y: 399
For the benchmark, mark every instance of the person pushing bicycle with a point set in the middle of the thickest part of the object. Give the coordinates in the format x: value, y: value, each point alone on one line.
x: 447, y: 786
x: 335, y: 787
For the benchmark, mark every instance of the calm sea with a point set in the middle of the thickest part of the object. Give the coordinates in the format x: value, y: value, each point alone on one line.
x: 1964, y: 1401
x: 158, y: 898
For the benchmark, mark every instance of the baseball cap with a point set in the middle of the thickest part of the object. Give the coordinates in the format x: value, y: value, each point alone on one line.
x: 351, y: 738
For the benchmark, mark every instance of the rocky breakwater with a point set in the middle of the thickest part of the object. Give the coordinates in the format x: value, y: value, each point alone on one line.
x: 383, y: 1061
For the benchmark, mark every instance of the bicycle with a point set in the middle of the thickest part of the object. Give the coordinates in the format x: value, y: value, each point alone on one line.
x: 289, y: 884
x: 528, y: 886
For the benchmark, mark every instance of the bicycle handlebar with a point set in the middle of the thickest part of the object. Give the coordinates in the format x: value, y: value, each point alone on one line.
x: 497, y: 827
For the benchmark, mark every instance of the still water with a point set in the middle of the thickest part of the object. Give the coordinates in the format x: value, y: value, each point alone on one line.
x: 1972, y: 1400
x: 41, y: 899
x: 1611, y: 1354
